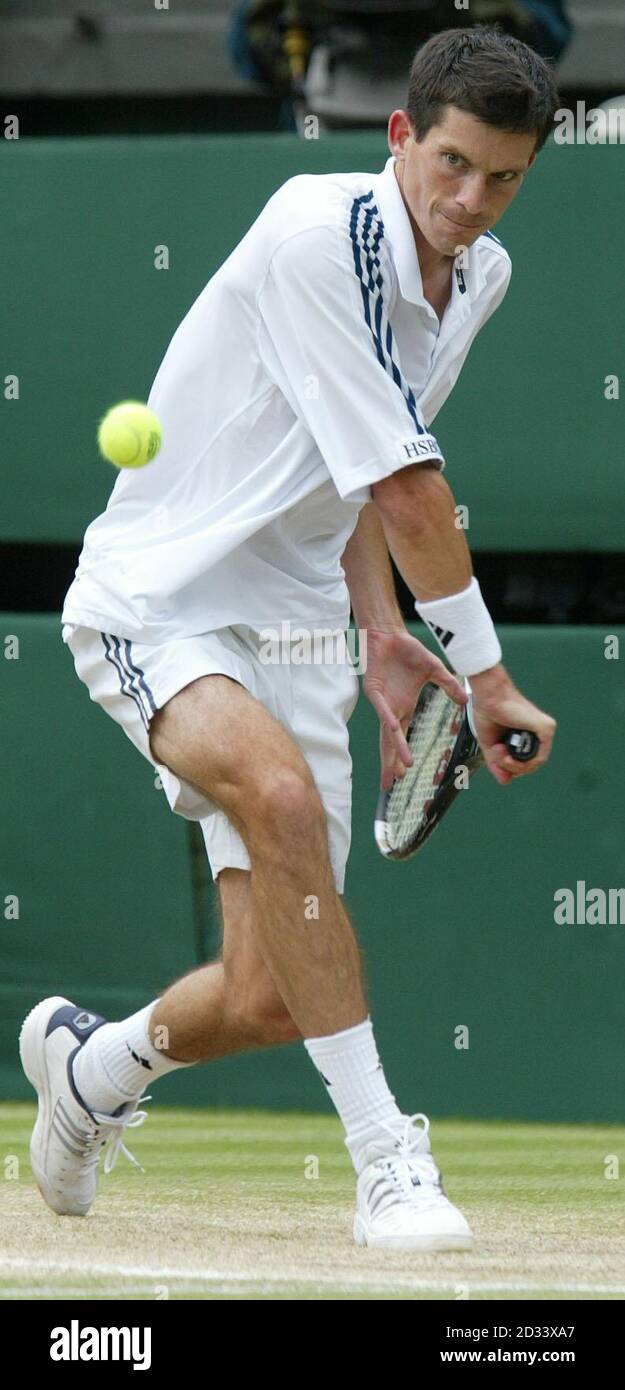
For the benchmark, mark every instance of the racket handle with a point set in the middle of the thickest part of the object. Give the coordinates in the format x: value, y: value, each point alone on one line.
x: 522, y: 745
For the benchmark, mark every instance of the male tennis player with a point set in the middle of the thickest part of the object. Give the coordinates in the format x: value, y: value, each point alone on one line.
x: 297, y: 398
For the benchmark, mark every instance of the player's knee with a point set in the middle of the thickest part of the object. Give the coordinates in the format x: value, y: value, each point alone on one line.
x: 286, y: 809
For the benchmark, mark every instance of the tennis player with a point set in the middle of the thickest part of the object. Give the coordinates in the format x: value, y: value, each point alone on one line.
x: 297, y: 399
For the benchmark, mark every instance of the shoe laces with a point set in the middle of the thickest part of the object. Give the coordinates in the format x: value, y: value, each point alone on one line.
x: 108, y: 1135
x: 412, y: 1159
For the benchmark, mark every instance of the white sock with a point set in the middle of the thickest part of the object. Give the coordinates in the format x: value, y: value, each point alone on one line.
x: 349, y: 1064
x: 119, y: 1061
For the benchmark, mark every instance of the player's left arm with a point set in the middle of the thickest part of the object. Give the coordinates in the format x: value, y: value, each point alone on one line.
x: 397, y: 665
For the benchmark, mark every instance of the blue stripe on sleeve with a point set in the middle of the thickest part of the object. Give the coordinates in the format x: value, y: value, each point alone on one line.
x: 363, y: 221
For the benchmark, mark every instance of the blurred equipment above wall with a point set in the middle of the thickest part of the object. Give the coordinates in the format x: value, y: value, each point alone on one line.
x: 358, y: 71
x: 89, y: 48
x: 346, y: 61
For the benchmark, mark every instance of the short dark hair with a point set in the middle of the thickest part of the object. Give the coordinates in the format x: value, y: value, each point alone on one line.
x: 493, y: 76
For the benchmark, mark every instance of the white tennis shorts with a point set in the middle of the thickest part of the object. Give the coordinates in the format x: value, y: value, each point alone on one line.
x: 314, y: 701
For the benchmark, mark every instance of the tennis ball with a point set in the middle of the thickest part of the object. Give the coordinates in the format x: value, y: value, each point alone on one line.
x: 130, y: 435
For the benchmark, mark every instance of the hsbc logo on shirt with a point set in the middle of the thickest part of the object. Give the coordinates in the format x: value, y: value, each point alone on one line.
x: 423, y: 447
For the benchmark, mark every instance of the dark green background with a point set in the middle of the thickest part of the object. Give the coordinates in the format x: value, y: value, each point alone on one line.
x: 532, y: 446
x: 464, y: 933
x: 461, y: 934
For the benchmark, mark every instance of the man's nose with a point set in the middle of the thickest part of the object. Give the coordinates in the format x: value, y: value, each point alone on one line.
x: 472, y: 194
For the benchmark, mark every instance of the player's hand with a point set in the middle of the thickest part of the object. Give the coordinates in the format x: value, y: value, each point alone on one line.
x: 497, y: 706
x: 398, y: 665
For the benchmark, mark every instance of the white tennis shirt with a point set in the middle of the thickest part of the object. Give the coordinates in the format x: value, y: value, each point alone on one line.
x: 308, y: 368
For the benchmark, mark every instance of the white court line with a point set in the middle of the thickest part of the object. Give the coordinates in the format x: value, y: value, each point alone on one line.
x: 202, y: 1278
x: 33, y: 1293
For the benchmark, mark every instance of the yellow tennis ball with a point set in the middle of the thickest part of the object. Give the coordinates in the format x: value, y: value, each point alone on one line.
x: 130, y: 435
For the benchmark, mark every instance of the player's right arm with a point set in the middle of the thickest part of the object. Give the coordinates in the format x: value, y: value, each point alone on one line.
x: 324, y: 335
x: 419, y: 517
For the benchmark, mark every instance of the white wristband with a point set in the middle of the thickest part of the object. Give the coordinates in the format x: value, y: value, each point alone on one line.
x: 464, y: 630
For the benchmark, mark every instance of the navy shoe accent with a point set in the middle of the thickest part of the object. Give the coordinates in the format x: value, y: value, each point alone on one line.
x: 81, y: 1022
x: 76, y: 1093
x: 72, y: 1084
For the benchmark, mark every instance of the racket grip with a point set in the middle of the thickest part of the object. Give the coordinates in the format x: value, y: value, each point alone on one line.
x: 522, y: 745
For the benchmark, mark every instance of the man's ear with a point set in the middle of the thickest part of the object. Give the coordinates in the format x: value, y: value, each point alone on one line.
x: 399, y: 132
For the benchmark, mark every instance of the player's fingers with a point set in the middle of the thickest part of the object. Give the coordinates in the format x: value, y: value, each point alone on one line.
x: 400, y: 757
x: 545, y: 736
x: 395, y: 755
x: 401, y: 748
x: 383, y: 710
x: 508, y: 766
x: 516, y: 768
x: 394, y: 728
x: 401, y: 764
x: 544, y: 730
x: 491, y: 759
x: 403, y: 755
x: 392, y: 769
x: 519, y: 769
x: 447, y: 681
x: 386, y: 773
x: 387, y: 759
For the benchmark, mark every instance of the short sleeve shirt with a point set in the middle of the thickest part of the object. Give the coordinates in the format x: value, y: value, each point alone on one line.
x: 309, y: 367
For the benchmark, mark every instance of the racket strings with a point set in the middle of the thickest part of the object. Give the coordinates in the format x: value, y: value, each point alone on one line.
x: 431, y: 740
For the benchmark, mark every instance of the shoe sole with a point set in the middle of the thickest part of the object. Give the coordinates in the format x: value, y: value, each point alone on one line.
x: 430, y: 1241
x: 33, y: 1058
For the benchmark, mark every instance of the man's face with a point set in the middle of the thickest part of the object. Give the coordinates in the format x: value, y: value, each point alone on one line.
x: 461, y: 177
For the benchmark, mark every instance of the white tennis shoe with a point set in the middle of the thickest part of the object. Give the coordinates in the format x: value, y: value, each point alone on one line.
x: 400, y: 1200
x: 68, y: 1138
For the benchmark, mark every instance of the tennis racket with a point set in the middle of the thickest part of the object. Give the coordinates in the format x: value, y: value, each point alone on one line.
x: 442, y: 741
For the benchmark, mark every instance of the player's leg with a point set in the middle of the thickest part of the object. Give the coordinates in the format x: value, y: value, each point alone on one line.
x: 215, y: 735
x: 215, y: 1010
x: 400, y: 1200
x: 90, y: 1074
x: 233, y: 1004
x: 252, y: 1013
x: 261, y: 780
x: 218, y: 737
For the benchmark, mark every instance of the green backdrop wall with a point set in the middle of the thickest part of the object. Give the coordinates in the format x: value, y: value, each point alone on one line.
x: 463, y: 934
x: 532, y: 446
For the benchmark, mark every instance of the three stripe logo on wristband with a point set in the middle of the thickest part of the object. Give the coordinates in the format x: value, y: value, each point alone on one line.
x: 439, y: 632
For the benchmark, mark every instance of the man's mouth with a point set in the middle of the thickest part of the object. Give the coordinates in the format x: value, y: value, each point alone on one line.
x: 466, y: 226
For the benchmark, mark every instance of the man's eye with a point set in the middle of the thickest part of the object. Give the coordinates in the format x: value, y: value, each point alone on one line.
x: 454, y: 158
x: 507, y: 176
